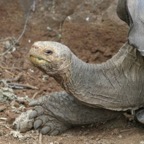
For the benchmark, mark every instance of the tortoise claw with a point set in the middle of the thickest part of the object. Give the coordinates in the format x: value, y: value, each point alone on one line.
x: 37, y: 124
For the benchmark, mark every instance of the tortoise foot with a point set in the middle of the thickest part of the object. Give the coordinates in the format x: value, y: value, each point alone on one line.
x: 46, y: 123
x: 58, y: 112
x: 41, y: 119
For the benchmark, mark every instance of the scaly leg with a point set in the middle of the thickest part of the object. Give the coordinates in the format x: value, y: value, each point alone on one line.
x: 57, y: 112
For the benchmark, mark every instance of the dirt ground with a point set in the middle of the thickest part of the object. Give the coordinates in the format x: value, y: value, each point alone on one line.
x: 90, y: 42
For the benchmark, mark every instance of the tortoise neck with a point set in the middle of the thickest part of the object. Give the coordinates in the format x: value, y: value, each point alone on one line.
x: 83, y: 78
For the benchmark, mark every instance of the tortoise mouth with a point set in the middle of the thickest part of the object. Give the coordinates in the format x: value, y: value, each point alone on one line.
x: 37, y: 60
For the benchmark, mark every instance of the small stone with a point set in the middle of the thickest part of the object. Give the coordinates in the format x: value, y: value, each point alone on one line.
x: 141, y: 142
x: 120, y: 136
x: 69, y: 18
x: 31, y: 70
x: 87, y: 19
x: 45, y: 77
x: 29, y: 41
x: 22, y: 122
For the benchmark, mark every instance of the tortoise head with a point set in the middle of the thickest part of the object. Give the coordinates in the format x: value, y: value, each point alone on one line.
x: 50, y: 57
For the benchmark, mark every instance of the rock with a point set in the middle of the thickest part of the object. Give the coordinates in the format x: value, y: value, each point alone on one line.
x: 120, y: 136
x: 22, y: 123
x: 141, y: 142
x: 7, y: 94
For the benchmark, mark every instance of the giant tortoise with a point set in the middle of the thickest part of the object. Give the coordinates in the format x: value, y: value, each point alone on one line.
x: 93, y: 93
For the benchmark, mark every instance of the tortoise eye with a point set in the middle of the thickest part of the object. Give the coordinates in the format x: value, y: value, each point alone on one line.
x: 48, y: 52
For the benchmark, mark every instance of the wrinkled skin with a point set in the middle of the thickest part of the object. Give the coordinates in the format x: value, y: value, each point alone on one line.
x: 58, y: 112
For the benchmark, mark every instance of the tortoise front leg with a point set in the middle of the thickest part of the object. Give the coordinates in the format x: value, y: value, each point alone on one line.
x: 57, y: 112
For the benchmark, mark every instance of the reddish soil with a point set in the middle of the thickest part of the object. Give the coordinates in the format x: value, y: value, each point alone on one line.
x: 92, y: 43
